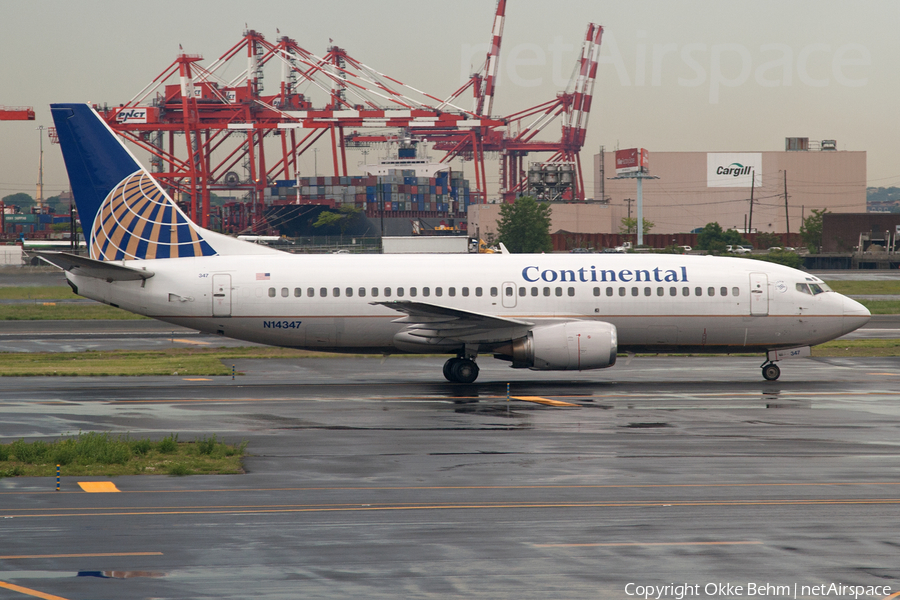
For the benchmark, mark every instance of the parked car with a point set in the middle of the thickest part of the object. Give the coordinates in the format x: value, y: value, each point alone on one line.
x: 735, y: 249
x: 684, y: 249
x: 625, y: 247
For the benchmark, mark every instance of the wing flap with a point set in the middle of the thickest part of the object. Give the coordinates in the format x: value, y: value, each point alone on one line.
x: 432, y: 321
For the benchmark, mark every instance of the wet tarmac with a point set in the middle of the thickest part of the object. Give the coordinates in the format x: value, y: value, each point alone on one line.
x: 371, y: 478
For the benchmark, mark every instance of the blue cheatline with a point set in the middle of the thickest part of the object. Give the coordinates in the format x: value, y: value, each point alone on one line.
x: 125, y: 211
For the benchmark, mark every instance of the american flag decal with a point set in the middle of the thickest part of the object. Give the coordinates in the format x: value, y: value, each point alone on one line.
x: 262, y: 276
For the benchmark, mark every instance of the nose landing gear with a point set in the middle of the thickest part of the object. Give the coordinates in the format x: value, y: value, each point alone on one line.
x: 770, y: 371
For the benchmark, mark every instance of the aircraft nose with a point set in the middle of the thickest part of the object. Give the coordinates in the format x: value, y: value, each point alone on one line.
x: 855, y: 314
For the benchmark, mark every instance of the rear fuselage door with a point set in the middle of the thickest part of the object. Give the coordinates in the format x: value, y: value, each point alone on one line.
x: 221, y: 296
x: 508, y: 293
x: 759, y: 294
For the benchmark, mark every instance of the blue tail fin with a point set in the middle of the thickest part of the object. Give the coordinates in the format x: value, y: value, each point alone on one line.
x: 124, y: 212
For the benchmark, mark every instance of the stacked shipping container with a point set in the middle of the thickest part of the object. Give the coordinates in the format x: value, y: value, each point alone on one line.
x: 401, y: 190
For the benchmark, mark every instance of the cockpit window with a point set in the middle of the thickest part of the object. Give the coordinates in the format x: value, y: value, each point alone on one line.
x: 813, y: 289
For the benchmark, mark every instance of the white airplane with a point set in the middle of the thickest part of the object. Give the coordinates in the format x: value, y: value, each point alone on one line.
x: 537, y: 311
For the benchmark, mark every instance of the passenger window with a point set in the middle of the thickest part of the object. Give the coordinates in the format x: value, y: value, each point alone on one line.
x: 559, y: 291
x: 348, y: 292
x: 723, y: 291
x: 534, y: 291
x: 735, y: 291
x: 465, y: 291
x: 336, y: 292
x: 634, y: 291
x: 647, y: 291
x: 685, y: 291
x: 596, y: 291
x: 426, y: 291
x: 399, y: 291
x: 285, y: 292
x: 271, y: 292
x: 522, y: 291
x: 660, y: 291
x: 609, y: 291
x: 311, y: 292
x: 362, y: 292
x: 621, y: 291
x: 438, y: 292
x: 571, y: 292
x: 387, y: 292
x: 508, y: 290
x: 698, y: 291
x: 298, y: 292
x: 711, y: 291
x: 673, y: 291
x: 323, y: 292
x: 493, y: 292
x: 374, y: 292
x: 412, y: 291
x: 478, y: 292
x: 546, y: 291
x: 451, y: 292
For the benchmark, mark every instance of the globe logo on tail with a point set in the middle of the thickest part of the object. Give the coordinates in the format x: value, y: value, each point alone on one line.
x: 137, y: 220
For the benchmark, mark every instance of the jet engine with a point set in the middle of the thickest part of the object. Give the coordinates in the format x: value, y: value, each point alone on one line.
x: 575, y: 345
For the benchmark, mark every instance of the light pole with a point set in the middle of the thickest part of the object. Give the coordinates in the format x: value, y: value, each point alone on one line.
x: 640, y: 176
x: 316, y: 161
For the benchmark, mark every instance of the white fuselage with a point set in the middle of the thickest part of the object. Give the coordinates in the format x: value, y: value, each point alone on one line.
x: 656, y: 302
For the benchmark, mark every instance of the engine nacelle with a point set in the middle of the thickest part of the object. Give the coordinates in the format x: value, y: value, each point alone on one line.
x: 572, y: 346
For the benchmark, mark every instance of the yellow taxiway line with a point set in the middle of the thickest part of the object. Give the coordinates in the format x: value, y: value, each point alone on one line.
x: 93, y: 555
x: 29, y: 592
x: 547, y: 401
x: 98, y: 487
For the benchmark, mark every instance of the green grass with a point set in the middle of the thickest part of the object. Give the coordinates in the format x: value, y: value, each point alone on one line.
x: 858, y: 348
x: 41, y: 292
x: 882, y: 307
x: 852, y: 288
x: 179, y: 361
x: 92, y: 454
x: 63, y: 312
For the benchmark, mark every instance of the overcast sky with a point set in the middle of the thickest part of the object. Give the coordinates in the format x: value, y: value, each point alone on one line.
x: 687, y: 75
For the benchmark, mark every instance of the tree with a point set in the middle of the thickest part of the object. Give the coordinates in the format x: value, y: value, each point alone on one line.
x: 525, y: 226
x: 343, y: 218
x: 714, y: 239
x: 629, y: 226
x: 22, y: 200
x: 767, y: 239
x: 811, y: 230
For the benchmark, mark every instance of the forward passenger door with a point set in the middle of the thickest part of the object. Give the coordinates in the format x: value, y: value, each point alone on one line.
x: 759, y: 294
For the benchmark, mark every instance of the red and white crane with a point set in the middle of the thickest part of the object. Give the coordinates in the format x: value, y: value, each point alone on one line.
x: 226, y: 121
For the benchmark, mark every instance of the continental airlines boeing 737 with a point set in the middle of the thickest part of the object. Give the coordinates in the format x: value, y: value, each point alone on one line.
x: 542, y: 312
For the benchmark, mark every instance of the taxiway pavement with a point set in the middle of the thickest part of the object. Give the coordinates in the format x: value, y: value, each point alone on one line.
x: 374, y: 478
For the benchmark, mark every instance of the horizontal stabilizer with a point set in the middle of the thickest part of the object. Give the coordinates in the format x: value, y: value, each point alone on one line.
x: 88, y: 267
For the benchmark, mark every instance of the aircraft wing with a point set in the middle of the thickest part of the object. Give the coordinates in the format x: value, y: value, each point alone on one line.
x: 434, y: 321
x: 82, y: 265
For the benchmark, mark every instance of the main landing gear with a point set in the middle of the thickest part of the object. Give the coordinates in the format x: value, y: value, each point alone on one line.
x: 770, y: 371
x: 461, y: 370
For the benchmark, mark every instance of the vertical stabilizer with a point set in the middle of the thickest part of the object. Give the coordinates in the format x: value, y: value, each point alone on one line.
x: 124, y: 212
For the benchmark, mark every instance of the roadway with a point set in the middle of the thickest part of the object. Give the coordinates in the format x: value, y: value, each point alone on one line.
x: 374, y: 478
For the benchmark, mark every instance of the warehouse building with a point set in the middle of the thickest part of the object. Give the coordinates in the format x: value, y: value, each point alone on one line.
x: 696, y: 188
